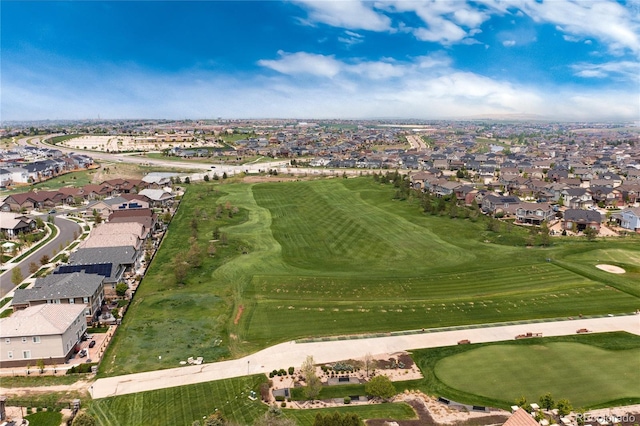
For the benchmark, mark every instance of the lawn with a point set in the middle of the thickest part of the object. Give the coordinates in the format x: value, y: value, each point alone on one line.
x: 588, y: 370
x: 182, y: 405
x: 340, y: 256
x: 45, y: 418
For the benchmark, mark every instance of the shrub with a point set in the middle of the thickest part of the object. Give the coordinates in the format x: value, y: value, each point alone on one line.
x: 283, y: 404
x: 280, y: 398
x: 291, y: 370
x: 282, y: 372
x: 347, y: 400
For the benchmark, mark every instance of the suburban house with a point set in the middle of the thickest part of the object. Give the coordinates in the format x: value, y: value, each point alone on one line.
x: 577, y: 198
x: 109, y: 262
x: 13, y: 224
x: 144, y: 216
x: 629, y: 219
x: 105, y: 207
x: 158, y: 197
x: 534, y: 213
x: 77, y: 288
x: 48, y: 332
x: 578, y: 220
x: 118, y: 240
x: 134, y: 228
x: 496, y: 204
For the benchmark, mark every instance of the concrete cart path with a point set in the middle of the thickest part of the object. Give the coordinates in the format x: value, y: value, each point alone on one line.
x: 291, y: 353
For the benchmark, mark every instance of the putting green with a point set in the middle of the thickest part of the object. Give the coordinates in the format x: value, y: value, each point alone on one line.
x: 583, y: 374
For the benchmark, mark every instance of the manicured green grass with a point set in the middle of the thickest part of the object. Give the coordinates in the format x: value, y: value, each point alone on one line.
x: 581, y: 373
x: 45, y: 418
x: 340, y: 256
x: 37, y: 381
x: 399, y: 411
x: 588, y: 370
x: 182, y: 405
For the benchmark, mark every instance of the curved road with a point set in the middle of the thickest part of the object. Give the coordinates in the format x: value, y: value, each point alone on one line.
x: 292, y: 353
x: 66, y: 229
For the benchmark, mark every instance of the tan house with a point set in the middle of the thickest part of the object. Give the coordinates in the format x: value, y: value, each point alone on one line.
x: 47, y: 332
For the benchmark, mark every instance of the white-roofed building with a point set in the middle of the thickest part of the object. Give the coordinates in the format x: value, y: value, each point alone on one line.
x: 49, y: 332
x: 13, y: 223
x: 158, y: 197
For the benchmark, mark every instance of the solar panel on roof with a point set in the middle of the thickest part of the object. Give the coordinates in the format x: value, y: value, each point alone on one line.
x: 103, y: 269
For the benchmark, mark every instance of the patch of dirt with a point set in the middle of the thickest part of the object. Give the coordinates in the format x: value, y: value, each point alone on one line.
x: 612, y: 269
x: 238, y: 315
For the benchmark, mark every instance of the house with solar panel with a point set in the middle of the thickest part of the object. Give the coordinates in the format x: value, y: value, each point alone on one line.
x: 76, y: 288
x: 110, y: 262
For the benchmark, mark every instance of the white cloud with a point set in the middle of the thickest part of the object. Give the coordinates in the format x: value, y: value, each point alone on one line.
x: 625, y: 69
x: 352, y: 14
x: 423, y: 87
x: 608, y: 21
x: 509, y: 43
x: 303, y: 63
x: 446, y: 22
x: 351, y: 38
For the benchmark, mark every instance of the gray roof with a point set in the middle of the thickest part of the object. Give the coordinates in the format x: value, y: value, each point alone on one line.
x: 119, y: 257
x: 59, y: 286
x: 124, y: 255
x: 582, y: 216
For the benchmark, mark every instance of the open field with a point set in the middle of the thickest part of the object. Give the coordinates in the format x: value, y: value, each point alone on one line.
x: 589, y: 370
x: 339, y: 256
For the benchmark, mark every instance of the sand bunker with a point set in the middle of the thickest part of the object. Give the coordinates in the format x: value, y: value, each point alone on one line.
x: 611, y: 269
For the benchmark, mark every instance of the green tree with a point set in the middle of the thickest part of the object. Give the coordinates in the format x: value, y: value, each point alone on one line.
x: 215, y: 419
x: 545, y: 238
x: 274, y: 417
x: 180, y: 268
x: 312, y: 382
x: 590, y: 233
x: 521, y: 402
x: 381, y: 387
x: 187, y: 180
x: 370, y: 363
x: 547, y: 402
x: 121, y: 289
x: 564, y: 407
x: 206, y: 178
x: 83, y: 419
x: 16, y: 276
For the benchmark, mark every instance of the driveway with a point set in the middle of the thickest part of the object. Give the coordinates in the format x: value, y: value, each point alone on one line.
x: 292, y: 353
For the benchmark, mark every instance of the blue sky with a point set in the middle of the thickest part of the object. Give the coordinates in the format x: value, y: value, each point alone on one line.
x: 560, y: 59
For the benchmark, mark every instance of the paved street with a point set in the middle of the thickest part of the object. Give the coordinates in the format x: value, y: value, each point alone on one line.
x: 67, y: 228
x: 291, y: 353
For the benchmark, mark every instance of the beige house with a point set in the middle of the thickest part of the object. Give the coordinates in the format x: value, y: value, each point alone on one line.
x: 48, y: 332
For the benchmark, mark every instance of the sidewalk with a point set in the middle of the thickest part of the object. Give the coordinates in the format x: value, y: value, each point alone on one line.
x: 292, y: 353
